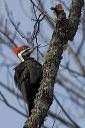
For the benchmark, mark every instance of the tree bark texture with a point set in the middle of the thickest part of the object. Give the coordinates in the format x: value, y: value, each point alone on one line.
x: 65, y: 30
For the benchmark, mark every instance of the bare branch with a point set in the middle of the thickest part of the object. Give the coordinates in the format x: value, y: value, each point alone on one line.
x: 67, y: 115
x: 53, y: 57
x: 10, y: 106
x: 52, y: 60
x: 74, y: 17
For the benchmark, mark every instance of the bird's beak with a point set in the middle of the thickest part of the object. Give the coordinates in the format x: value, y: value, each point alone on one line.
x: 32, y: 49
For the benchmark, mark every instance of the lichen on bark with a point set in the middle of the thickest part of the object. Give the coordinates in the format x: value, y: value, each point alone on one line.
x: 65, y: 30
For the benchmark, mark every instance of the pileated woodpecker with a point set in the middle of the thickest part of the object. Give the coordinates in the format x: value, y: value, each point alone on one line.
x: 27, y: 75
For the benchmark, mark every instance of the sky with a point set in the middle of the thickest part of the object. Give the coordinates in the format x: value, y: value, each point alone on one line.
x: 16, y: 120
x: 8, y: 117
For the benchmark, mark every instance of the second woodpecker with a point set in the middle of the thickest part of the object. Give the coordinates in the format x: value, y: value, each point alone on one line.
x: 27, y: 75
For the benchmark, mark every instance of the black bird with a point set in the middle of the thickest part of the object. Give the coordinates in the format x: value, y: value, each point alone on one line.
x: 28, y: 75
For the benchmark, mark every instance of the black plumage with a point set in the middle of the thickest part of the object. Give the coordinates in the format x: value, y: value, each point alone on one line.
x: 27, y: 78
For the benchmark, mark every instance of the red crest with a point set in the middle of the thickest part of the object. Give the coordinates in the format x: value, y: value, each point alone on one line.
x: 17, y: 49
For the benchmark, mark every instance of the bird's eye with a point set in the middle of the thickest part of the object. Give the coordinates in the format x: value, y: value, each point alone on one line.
x: 23, y: 48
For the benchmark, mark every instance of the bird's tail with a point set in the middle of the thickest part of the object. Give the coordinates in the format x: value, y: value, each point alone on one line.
x: 31, y: 106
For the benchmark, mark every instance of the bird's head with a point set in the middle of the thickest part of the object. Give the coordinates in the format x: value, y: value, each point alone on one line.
x: 23, y: 52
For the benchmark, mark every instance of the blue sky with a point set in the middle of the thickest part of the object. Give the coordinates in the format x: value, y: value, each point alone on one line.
x: 9, y: 118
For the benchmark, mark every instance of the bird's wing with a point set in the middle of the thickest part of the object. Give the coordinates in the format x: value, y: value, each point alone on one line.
x: 35, y: 69
x: 22, y: 80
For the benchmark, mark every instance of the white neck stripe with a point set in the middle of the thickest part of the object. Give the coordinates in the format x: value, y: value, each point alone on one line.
x: 20, y: 57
